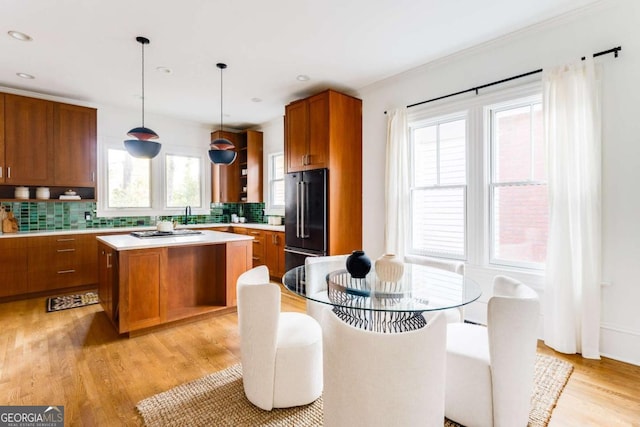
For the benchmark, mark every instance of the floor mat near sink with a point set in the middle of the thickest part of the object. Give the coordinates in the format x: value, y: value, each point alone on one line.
x: 64, y: 302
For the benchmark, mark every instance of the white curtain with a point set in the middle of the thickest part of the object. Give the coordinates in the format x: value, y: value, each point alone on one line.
x: 573, y: 269
x: 396, y: 193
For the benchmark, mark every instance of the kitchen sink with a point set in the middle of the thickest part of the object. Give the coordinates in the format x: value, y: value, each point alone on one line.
x: 156, y: 233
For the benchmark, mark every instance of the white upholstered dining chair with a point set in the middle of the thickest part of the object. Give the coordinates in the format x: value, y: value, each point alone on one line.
x: 490, y: 369
x: 453, y: 314
x: 383, y: 379
x: 281, y: 353
x: 316, y: 270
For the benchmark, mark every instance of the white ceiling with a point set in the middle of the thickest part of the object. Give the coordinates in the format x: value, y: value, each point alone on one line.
x: 86, y: 49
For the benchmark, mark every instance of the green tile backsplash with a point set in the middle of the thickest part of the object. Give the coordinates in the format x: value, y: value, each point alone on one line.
x: 49, y: 216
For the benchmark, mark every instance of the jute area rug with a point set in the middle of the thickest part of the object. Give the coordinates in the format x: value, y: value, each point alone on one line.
x: 218, y: 400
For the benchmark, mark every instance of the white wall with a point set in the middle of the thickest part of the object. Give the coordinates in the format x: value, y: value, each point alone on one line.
x: 113, y: 124
x: 600, y: 27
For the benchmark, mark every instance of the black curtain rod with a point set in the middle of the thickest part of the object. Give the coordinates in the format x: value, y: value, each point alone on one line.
x: 614, y: 50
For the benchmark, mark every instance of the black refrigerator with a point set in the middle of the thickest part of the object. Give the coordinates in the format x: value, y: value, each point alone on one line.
x: 305, y: 219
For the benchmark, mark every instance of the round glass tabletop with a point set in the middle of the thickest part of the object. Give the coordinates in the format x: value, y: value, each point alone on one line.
x: 420, y: 289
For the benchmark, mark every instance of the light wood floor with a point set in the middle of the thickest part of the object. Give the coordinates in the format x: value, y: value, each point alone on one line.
x: 74, y: 358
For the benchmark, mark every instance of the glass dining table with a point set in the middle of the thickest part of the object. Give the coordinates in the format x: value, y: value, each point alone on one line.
x: 374, y: 305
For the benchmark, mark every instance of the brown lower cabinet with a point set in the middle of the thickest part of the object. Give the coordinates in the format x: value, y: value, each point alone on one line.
x: 13, y: 267
x: 258, y: 246
x: 274, y: 253
x: 107, y: 291
x: 142, y: 288
x: 41, y: 265
x: 268, y: 249
x: 58, y: 262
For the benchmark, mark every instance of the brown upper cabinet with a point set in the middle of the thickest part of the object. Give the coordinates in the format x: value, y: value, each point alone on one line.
x: 28, y: 146
x: 319, y: 128
x: 2, y: 160
x: 47, y: 143
x: 74, y: 145
x: 307, y: 133
x: 241, y: 181
x: 225, y: 184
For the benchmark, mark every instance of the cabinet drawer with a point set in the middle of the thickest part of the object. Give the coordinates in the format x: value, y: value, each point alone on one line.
x: 59, y: 278
x: 54, y: 249
x: 258, y: 246
x: 64, y: 261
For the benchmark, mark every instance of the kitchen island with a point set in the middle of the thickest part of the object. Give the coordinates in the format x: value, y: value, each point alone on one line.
x: 146, y: 282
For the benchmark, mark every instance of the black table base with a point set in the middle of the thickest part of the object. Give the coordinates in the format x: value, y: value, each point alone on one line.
x: 381, y: 321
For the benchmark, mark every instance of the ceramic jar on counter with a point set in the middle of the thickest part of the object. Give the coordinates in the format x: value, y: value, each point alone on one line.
x: 21, y: 193
x: 43, y: 193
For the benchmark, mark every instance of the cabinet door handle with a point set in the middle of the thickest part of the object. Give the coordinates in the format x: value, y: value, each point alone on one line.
x: 93, y: 176
x: 109, y: 260
x: 66, y: 250
x: 66, y: 240
x: 66, y: 271
x: 0, y: 171
x: 8, y: 172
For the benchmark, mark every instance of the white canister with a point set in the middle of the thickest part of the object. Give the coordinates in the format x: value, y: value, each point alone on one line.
x: 42, y: 193
x: 21, y: 193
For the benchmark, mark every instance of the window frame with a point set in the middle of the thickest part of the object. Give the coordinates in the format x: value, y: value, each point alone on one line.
x: 477, y: 198
x: 489, y: 113
x: 157, y: 182
x: 410, y: 250
x: 271, y: 173
x: 165, y: 178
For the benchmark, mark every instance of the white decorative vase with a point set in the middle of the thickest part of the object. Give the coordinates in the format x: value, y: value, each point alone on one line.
x: 389, y: 268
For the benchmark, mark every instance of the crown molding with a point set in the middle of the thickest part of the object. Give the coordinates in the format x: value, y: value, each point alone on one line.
x: 528, y: 31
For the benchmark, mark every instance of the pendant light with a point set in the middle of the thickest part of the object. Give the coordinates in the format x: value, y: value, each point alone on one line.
x: 221, y: 149
x: 142, y: 147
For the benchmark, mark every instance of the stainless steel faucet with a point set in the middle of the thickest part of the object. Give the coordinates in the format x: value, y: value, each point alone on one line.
x: 187, y: 214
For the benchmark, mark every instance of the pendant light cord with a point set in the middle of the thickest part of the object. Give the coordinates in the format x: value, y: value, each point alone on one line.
x: 221, y: 95
x: 142, y: 83
x: 221, y: 66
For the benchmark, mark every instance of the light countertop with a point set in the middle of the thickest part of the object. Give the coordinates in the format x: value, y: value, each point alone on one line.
x: 127, y: 242
x: 139, y: 228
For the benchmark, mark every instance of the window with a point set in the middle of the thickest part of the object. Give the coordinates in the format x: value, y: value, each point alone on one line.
x: 276, y: 181
x: 519, y: 206
x: 182, y: 181
x: 164, y: 185
x: 128, y: 180
x: 478, y: 187
x: 438, y: 188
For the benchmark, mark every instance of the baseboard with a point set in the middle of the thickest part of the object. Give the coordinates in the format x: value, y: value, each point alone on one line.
x: 620, y: 344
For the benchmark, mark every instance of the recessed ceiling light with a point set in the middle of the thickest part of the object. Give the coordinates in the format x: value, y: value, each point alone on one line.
x: 25, y: 76
x: 164, y: 70
x: 20, y: 36
x: 302, y: 77
x: 256, y: 99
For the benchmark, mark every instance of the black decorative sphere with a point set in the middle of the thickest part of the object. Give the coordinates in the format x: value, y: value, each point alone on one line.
x: 358, y: 264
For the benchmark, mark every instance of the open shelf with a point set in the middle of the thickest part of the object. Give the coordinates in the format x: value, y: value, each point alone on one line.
x: 7, y: 193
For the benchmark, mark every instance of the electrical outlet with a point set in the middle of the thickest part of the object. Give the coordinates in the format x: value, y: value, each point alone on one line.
x: 87, y: 216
